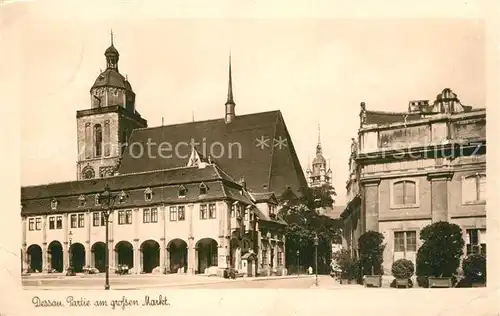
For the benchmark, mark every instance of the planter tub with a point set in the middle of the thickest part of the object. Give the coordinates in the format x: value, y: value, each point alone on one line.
x: 435, y: 282
x: 402, y: 283
x: 373, y: 280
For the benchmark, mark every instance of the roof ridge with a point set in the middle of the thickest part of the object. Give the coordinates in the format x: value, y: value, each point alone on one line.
x: 202, y: 121
x: 111, y: 177
x: 390, y: 113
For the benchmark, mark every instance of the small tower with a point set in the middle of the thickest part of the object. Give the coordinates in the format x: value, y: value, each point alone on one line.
x: 103, y: 130
x: 320, y: 174
x: 230, y: 105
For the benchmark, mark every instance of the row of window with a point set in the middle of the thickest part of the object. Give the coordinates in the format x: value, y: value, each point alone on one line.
x: 405, y: 192
x: 406, y: 241
x: 149, y: 215
x: 121, y: 198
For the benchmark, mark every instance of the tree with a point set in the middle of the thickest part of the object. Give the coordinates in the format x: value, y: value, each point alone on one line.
x: 300, y: 211
x: 371, y: 251
x: 439, y: 255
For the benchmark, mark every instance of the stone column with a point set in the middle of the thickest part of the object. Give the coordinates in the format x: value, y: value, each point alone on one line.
x: 137, y: 257
x: 88, y: 253
x: 45, y: 258
x: 223, y: 247
x: 191, y: 256
x: 191, y: 246
x: 162, y: 254
x: 439, y: 195
x: 24, y: 258
x: 65, y: 255
x: 370, y: 204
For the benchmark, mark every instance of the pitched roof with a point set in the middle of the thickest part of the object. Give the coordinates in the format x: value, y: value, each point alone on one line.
x: 164, y: 184
x: 248, y: 148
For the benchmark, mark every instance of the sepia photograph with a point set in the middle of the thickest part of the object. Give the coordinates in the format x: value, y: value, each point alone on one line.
x: 337, y: 156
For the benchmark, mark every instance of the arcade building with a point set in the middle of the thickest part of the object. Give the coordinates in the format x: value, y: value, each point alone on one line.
x: 193, y: 211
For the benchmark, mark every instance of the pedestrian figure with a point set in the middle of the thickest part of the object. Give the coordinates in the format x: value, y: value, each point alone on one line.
x: 310, y: 270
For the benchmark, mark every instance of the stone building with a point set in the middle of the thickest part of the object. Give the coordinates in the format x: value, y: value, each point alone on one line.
x: 177, y: 206
x: 410, y: 169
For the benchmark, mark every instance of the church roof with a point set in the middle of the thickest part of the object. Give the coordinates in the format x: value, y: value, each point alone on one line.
x: 112, y: 78
x: 256, y: 147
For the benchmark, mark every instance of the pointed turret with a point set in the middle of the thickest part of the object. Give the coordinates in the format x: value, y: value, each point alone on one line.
x: 230, y: 113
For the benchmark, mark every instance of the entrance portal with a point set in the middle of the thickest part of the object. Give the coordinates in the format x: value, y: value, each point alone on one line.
x: 125, y: 254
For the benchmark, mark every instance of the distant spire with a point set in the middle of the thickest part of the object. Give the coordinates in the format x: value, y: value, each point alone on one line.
x: 192, y: 115
x: 230, y: 113
x: 162, y: 121
x: 319, y: 134
x: 230, y: 99
x: 111, y: 37
x: 318, y: 147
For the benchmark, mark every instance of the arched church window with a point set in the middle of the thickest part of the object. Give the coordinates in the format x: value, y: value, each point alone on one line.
x: 87, y: 146
x: 97, y: 140
x: 106, y: 138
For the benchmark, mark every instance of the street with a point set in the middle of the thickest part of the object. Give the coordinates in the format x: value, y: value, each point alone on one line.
x: 136, y: 282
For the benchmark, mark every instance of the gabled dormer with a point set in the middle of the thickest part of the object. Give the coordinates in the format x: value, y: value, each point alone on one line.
x: 53, y: 204
x: 82, y: 200
x: 182, y: 191
x: 148, y: 194
x: 203, y: 188
x: 122, y: 197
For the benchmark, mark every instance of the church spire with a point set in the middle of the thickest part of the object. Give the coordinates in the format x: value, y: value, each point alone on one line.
x: 230, y: 114
x: 318, y: 146
x: 112, y: 55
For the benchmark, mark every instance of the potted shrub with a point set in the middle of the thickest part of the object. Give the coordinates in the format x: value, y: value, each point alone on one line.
x: 402, y: 270
x: 474, y: 270
x: 439, y: 256
x: 345, y: 264
x: 371, y: 250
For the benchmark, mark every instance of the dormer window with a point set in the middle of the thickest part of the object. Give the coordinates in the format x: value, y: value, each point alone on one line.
x: 182, y: 191
x: 122, y: 197
x: 97, y: 199
x: 148, y: 194
x: 203, y: 189
x: 53, y: 204
x: 272, y: 210
x: 81, y: 200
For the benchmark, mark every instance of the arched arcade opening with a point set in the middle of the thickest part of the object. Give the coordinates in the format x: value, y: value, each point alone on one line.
x: 35, y: 262
x: 98, y: 252
x: 77, y: 257
x: 124, y: 252
x: 178, y: 252
x: 56, y: 255
x: 150, y: 250
x: 207, y: 254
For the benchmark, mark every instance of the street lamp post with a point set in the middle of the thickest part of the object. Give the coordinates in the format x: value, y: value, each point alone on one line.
x: 106, y: 201
x: 316, y: 241
x: 298, y: 262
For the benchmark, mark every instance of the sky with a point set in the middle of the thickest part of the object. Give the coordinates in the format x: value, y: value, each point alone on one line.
x: 316, y: 71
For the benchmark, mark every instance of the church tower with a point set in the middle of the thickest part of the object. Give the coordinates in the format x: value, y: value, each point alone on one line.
x: 319, y: 175
x: 103, y: 130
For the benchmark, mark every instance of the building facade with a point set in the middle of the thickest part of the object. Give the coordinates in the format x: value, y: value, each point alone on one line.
x: 414, y: 168
x: 177, y: 206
